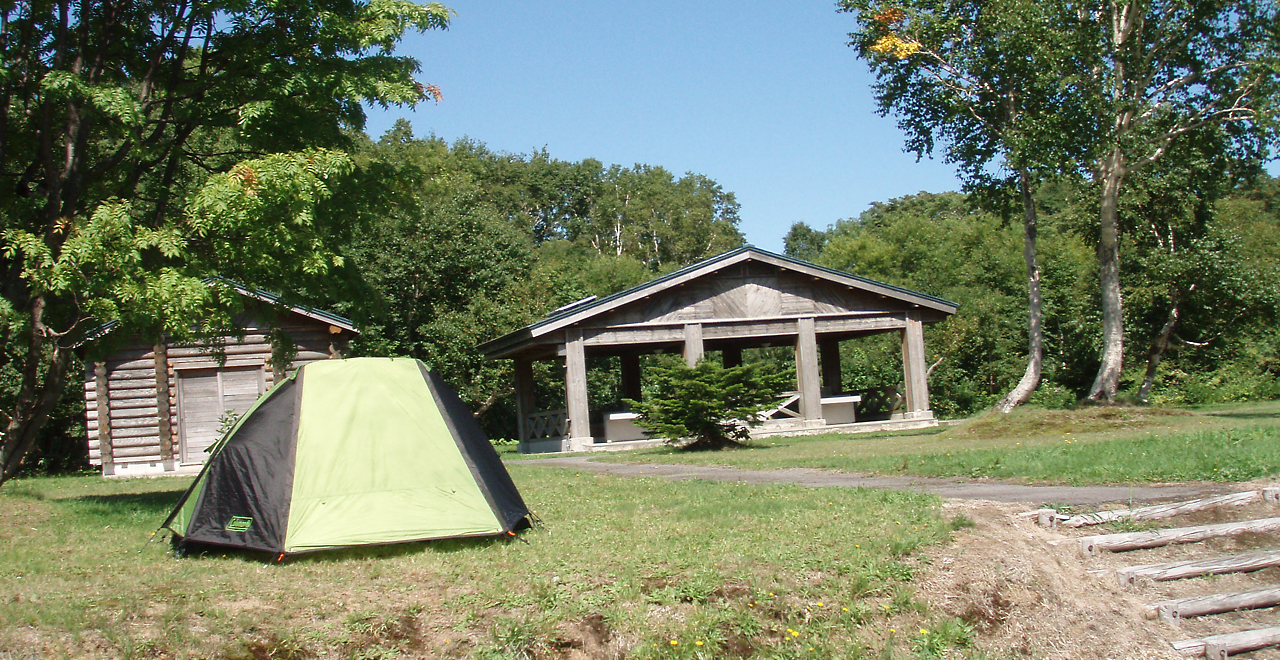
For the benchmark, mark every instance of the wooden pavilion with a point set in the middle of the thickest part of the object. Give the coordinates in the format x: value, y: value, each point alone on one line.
x: 745, y: 298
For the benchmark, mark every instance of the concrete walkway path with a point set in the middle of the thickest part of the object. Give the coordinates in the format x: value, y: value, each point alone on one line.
x: 998, y: 491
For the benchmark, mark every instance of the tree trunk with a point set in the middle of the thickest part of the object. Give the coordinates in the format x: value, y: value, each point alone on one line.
x: 1157, y: 352
x: 1035, y: 329
x: 36, y: 399
x: 1108, y: 380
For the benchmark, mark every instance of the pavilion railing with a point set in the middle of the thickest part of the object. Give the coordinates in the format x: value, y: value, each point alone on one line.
x: 547, y: 425
x: 788, y: 406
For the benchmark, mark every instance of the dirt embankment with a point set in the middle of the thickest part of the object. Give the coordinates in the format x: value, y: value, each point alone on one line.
x: 1029, y: 597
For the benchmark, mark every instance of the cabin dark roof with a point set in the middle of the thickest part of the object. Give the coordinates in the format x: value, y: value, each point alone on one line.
x: 588, y: 307
x: 257, y: 294
x: 309, y: 312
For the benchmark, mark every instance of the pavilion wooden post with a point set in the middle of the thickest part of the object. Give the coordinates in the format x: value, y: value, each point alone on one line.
x: 631, y: 376
x: 731, y: 356
x: 575, y: 389
x: 807, y: 374
x: 692, y: 344
x: 829, y: 355
x: 524, y: 398
x: 914, y: 376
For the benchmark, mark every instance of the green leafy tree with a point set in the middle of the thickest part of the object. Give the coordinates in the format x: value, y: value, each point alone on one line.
x: 146, y: 146
x: 1152, y: 73
x: 475, y: 244
x: 1131, y: 79
x: 804, y: 242
x: 941, y: 244
x: 972, y: 75
x: 714, y: 406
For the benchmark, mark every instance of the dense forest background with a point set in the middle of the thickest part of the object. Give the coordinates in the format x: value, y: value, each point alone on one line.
x: 454, y: 244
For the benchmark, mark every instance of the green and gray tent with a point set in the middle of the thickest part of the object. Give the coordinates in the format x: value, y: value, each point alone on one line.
x: 350, y: 452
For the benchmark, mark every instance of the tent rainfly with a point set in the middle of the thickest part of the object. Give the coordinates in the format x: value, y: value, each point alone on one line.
x: 350, y: 452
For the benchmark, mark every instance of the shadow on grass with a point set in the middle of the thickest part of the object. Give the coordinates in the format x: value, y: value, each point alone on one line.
x: 1245, y: 415
x: 197, y: 551
x: 159, y: 502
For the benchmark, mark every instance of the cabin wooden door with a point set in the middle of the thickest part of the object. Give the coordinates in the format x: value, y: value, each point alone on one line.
x: 207, y: 399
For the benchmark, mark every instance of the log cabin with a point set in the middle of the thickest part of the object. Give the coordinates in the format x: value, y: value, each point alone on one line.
x: 745, y: 298
x: 153, y: 409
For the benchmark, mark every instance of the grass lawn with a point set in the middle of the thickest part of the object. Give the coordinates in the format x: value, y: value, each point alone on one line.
x: 1083, y: 446
x: 621, y: 568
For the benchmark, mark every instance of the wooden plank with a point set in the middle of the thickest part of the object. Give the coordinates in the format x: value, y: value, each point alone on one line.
x: 133, y: 422
x: 1220, y: 647
x: 118, y: 375
x: 230, y: 349
x: 140, y: 454
x: 140, y: 441
x: 631, y: 377
x: 914, y: 375
x: 1162, y: 510
x: 165, y: 428
x: 120, y: 412
x: 1174, y: 610
x: 119, y: 405
x: 1241, y: 563
x: 102, y: 396
x: 524, y: 396
x: 576, y: 387
x: 132, y: 392
x: 1154, y: 539
x: 141, y: 431
x: 829, y: 356
x: 808, y: 376
x: 692, y: 344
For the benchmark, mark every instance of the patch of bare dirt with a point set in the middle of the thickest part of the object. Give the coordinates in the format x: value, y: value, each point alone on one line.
x: 1031, y: 592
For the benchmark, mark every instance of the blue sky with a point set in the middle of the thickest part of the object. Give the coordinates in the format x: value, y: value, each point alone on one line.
x: 765, y: 98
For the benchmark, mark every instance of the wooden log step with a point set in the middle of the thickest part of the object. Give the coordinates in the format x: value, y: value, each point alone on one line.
x: 1174, y: 610
x: 1241, y: 563
x: 1158, y: 511
x: 1220, y: 647
x: 1092, y: 545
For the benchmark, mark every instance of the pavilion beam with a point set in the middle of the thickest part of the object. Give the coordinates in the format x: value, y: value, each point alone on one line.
x: 524, y: 398
x: 914, y: 373
x: 631, y: 376
x: 829, y: 356
x: 692, y: 344
x: 575, y: 388
x: 807, y: 372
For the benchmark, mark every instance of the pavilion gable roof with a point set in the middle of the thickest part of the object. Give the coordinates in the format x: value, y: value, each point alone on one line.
x: 612, y: 308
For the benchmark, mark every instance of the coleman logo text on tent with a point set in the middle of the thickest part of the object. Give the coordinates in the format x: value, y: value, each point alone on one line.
x: 239, y: 524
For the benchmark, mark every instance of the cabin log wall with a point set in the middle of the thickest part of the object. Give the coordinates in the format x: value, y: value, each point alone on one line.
x: 141, y: 413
